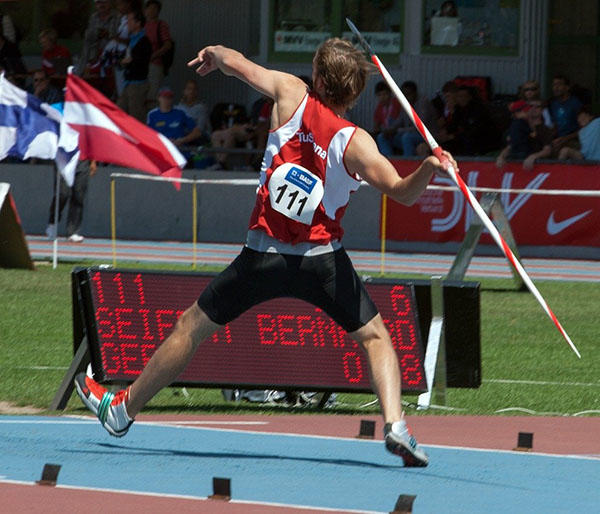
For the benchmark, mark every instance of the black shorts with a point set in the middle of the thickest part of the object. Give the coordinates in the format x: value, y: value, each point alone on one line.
x: 327, y: 281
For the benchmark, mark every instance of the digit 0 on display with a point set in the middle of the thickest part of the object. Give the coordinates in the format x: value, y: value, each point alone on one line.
x: 284, y: 342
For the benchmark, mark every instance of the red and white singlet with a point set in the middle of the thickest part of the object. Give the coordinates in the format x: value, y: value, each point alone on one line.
x: 304, y: 184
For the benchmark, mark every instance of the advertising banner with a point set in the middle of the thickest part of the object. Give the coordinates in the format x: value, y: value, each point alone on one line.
x: 296, y: 41
x: 542, y: 220
x: 380, y: 42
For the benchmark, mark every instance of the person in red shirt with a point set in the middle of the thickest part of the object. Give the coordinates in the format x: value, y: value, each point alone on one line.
x: 314, y: 159
x: 55, y: 58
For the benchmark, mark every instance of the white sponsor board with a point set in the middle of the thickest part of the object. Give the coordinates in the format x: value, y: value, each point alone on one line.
x: 381, y: 42
x: 294, y: 41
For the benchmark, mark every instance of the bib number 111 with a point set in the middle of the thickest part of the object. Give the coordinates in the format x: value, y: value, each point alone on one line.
x: 292, y: 199
x: 295, y: 192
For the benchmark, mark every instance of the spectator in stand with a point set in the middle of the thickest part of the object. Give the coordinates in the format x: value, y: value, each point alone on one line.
x: 529, y: 138
x: 7, y: 27
x: 11, y: 61
x: 135, y: 64
x: 529, y: 92
x: 116, y: 48
x: 231, y: 129
x: 386, y: 118
x: 171, y: 122
x: 191, y: 105
x: 589, y: 138
x: 159, y: 34
x: 43, y: 90
x: 103, y: 24
x: 75, y: 195
x: 471, y: 130
x: 444, y: 103
x: 407, y: 137
x: 260, y: 118
x: 56, y: 58
x: 564, y: 107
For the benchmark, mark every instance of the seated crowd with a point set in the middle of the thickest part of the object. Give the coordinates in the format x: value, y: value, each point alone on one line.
x: 128, y: 50
x: 463, y: 121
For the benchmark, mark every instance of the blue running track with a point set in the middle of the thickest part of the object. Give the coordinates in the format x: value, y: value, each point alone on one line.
x: 295, y: 470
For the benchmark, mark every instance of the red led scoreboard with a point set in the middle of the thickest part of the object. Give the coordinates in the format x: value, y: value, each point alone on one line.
x: 283, y: 343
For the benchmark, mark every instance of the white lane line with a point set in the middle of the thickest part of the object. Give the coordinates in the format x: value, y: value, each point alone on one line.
x: 44, y: 422
x: 514, y: 452
x: 376, y: 441
x: 539, y: 382
x: 172, y: 422
x: 86, y: 421
x: 313, y: 436
x: 37, y: 368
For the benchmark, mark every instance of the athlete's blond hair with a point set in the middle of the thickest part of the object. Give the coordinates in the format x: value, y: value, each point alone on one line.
x: 343, y: 69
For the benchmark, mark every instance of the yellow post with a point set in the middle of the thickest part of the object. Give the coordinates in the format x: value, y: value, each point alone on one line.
x: 194, y: 223
x: 383, y: 231
x: 113, y: 221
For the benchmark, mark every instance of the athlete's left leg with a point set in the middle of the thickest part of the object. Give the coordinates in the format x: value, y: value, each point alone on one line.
x: 385, y: 378
x: 383, y: 366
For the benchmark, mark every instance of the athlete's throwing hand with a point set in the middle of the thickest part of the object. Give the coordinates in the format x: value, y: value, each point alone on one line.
x: 206, y: 61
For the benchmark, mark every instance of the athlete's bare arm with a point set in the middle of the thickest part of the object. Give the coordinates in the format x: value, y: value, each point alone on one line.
x: 285, y: 89
x: 363, y: 158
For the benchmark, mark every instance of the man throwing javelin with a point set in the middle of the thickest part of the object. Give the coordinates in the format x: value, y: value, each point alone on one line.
x: 313, y: 160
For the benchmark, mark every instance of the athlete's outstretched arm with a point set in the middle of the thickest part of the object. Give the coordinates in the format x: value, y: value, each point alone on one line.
x: 363, y: 158
x: 231, y: 62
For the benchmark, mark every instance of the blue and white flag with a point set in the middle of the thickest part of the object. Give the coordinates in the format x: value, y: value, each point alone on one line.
x: 31, y: 128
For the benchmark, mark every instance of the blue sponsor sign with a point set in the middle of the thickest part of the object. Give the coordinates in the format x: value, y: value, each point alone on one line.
x: 301, y: 178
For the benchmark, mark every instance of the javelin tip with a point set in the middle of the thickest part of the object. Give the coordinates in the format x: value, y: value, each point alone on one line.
x: 363, y: 42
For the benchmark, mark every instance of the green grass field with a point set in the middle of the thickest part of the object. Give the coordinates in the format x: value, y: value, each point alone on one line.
x: 525, y: 362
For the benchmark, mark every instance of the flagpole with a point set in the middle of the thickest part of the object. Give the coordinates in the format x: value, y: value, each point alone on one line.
x: 113, y: 222
x: 383, y: 231
x: 194, y: 222
x: 56, y: 200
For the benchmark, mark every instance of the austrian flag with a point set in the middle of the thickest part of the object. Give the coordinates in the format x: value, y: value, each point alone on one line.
x: 108, y: 134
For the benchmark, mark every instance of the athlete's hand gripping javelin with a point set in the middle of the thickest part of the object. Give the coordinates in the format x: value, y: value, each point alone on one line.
x: 441, y: 166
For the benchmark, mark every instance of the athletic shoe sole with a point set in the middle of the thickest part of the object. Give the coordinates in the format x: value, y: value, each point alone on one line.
x: 409, y: 458
x: 84, y: 393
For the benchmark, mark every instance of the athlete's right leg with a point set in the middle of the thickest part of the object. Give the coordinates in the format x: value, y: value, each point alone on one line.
x: 116, y: 411
x: 171, y: 358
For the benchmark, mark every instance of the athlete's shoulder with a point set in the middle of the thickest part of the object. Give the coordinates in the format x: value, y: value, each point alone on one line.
x: 361, y: 151
x: 362, y: 140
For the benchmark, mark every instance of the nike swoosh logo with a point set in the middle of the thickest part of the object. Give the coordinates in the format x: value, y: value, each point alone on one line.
x: 554, y: 227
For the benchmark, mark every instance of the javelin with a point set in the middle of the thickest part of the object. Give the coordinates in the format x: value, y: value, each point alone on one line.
x: 437, y: 151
